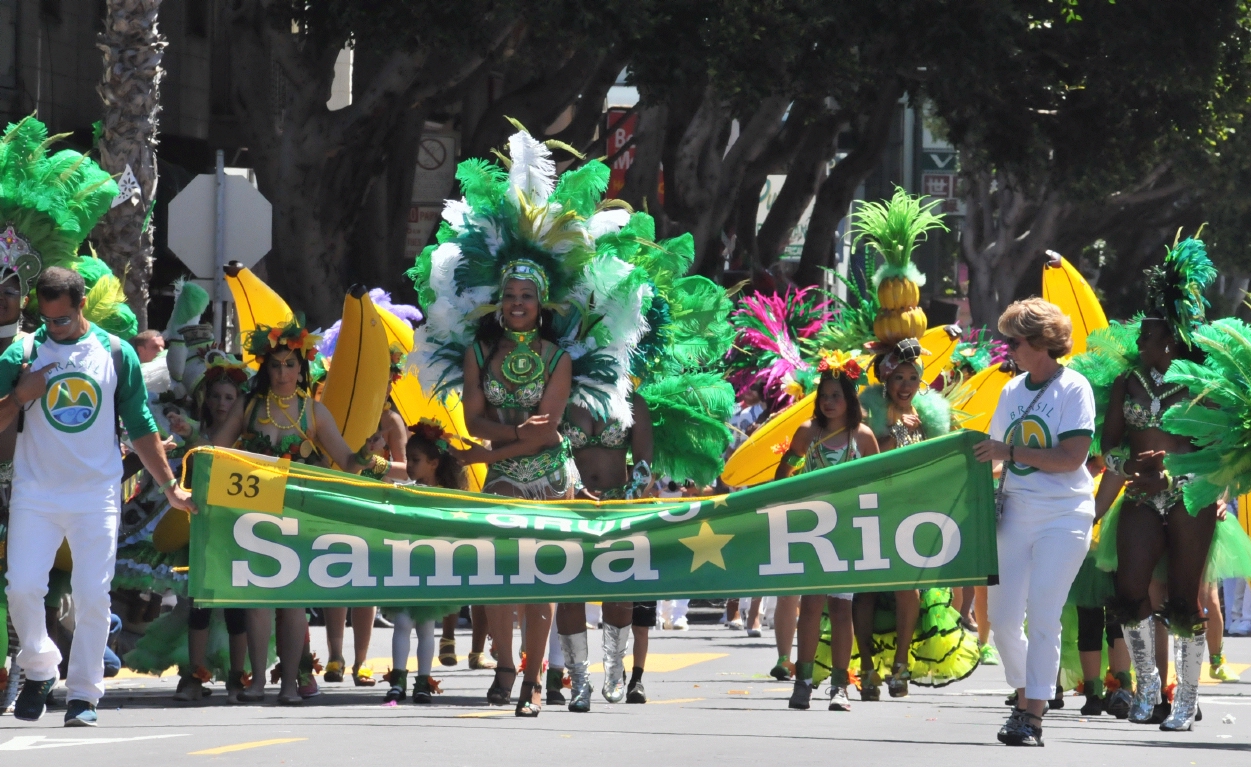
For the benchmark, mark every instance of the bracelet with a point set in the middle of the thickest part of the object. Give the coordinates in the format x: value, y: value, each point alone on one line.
x: 1114, y: 463
x: 168, y: 484
x: 792, y: 460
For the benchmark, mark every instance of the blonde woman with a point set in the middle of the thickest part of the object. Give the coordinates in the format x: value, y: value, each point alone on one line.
x: 1040, y: 436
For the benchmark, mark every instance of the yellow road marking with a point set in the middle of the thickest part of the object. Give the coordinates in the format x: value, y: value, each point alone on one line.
x: 481, y: 714
x: 243, y: 746
x: 675, y: 700
x: 659, y: 663
x: 738, y: 692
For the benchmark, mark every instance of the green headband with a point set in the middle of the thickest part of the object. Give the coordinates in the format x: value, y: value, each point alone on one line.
x: 525, y: 269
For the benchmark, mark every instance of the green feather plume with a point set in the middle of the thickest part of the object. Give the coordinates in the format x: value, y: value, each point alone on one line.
x: 54, y: 201
x: 689, y: 414
x: 1110, y: 353
x: 106, y: 300
x: 852, y: 325
x: 582, y: 189
x: 1175, y: 289
x: 1218, y: 417
x: 892, y: 230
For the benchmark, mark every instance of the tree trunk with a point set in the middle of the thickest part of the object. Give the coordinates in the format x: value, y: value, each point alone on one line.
x: 839, y: 188
x: 643, y: 176
x: 816, y: 147
x: 133, y: 48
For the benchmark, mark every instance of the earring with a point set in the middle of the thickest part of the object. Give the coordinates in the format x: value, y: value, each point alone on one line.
x: 1167, y: 348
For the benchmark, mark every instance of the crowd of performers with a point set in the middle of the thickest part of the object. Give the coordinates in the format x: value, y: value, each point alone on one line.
x: 590, y: 366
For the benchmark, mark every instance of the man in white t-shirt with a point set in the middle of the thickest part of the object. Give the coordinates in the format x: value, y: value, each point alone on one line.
x: 67, y: 386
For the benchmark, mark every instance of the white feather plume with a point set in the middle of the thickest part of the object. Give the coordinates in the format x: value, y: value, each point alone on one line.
x: 608, y: 221
x: 532, y: 173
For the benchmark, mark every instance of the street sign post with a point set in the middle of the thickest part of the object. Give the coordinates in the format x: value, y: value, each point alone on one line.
x: 219, y: 217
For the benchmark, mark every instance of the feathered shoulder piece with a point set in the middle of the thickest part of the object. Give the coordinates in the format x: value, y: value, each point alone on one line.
x: 1218, y: 418
x: 1111, y: 352
x: 1175, y: 289
x: 106, y: 299
x: 517, y: 219
x: 48, y: 203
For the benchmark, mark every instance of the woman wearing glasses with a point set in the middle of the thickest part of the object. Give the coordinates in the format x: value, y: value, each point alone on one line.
x: 1040, y: 436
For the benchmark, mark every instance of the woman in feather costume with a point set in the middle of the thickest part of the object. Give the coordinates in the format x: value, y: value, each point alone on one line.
x: 518, y: 246
x: 1178, y: 465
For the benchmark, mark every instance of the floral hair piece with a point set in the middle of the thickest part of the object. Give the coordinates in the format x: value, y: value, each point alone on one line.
x: 397, y: 363
x: 222, y: 366
x: 839, y: 363
x: 293, y: 336
x: 431, y: 430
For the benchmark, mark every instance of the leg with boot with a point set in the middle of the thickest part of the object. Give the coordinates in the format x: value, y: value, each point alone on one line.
x: 555, y: 679
x: 842, y: 634
x: 1210, y: 599
x: 538, y: 627
x: 362, y: 633
x: 785, y: 619
x: 500, y: 619
x: 425, y: 688
x: 260, y: 622
x: 907, y: 612
x: 1118, y: 700
x: 617, y: 619
x: 571, y: 628
x: 644, y: 620
x: 863, y: 608
x: 336, y: 626
x: 1140, y: 542
x: 401, y: 644
x: 1090, y: 649
x: 1189, y: 538
x: 809, y: 634
x: 237, y: 633
x: 447, y: 642
x: 195, y: 675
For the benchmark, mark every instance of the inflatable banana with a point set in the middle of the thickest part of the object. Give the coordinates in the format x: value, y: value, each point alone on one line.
x: 757, y: 459
x: 980, y: 397
x: 412, y: 403
x: 255, y: 302
x: 941, y: 343
x: 172, y: 532
x: 1065, y: 287
x: 356, y: 386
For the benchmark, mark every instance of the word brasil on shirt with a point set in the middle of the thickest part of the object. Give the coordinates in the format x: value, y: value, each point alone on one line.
x: 275, y: 534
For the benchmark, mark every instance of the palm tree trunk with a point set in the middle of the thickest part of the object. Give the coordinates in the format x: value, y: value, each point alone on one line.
x: 133, y: 48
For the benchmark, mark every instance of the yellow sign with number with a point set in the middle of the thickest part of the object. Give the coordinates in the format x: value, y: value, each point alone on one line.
x: 248, y: 481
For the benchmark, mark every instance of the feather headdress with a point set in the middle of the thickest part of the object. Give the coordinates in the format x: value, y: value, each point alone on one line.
x: 770, y: 331
x: 1175, y: 289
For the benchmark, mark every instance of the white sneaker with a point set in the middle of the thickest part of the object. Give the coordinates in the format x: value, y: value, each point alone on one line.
x: 735, y: 625
x: 679, y: 625
x: 753, y: 633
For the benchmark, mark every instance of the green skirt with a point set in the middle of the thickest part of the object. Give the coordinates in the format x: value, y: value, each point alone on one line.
x: 421, y: 613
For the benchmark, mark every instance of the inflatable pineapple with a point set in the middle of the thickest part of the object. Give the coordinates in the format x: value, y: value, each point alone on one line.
x: 892, y: 230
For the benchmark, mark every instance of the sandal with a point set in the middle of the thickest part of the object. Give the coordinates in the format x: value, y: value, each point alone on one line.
x: 500, y: 694
x: 364, y: 677
x: 290, y: 700
x: 897, y: 682
x: 870, y: 686
x: 526, y: 705
x: 334, y: 672
x: 447, y: 651
x: 479, y: 663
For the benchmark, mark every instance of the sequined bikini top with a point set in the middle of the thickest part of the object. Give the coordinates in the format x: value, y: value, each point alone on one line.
x: 1141, y: 416
x: 615, y: 436
x: 525, y: 397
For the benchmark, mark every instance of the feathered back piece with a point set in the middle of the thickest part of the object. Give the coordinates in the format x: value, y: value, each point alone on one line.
x: 518, y: 218
x: 1175, y: 289
x: 106, y: 300
x: 770, y: 331
x: 1110, y: 353
x: 1218, y: 418
x: 892, y: 230
x: 381, y: 299
x: 48, y: 203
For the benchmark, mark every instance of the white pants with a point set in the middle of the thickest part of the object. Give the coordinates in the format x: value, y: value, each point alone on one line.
x: 1039, y: 556
x: 34, y: 537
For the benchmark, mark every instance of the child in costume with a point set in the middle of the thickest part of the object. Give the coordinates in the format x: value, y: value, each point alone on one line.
x: 834, y: 436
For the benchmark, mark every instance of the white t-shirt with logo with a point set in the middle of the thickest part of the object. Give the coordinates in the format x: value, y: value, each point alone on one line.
x: 68, y: 458
x: 1066, y: 409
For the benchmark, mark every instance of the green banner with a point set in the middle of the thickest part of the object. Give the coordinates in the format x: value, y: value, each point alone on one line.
x: 274, y: 534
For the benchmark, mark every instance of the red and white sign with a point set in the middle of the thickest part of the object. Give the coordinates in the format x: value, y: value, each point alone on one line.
x: 619, y: 130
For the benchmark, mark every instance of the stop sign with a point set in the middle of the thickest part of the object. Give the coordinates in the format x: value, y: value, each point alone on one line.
x: 193, y: 223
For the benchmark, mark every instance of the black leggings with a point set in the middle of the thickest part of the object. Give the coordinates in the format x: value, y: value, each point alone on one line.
x: 236, y: 620
x: 1091, y: 624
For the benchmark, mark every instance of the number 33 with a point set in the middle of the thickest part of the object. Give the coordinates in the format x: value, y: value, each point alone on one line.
x: 248, y: 486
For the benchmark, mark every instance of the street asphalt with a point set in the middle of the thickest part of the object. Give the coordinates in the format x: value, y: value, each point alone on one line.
x: 711, y: 703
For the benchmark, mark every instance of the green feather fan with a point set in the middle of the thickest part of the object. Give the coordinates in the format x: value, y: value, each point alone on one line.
x: 689, y: 433
x: 1218, y: 418
x: 106, y: 300
x: 1111, y: 352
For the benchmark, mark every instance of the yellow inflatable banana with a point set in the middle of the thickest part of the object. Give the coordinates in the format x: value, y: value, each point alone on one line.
x: 412, y: 403
x: 356, y: 386
x: 1065, y: 287
x: 980, y: 397
x: 941, y: 343
x: 172, y: 532
x: 255, y: 302
x: 757, y: 459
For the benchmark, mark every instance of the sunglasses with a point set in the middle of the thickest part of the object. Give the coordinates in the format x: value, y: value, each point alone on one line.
x: 56, y: 322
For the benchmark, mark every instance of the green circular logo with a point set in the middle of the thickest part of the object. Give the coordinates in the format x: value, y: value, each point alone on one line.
x: 72, y: 402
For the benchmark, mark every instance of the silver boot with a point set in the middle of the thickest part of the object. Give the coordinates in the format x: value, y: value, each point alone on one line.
x: 1140, y: 638
x: 1188, y: 655
x: 574, y: 646
x: 615, y: 640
